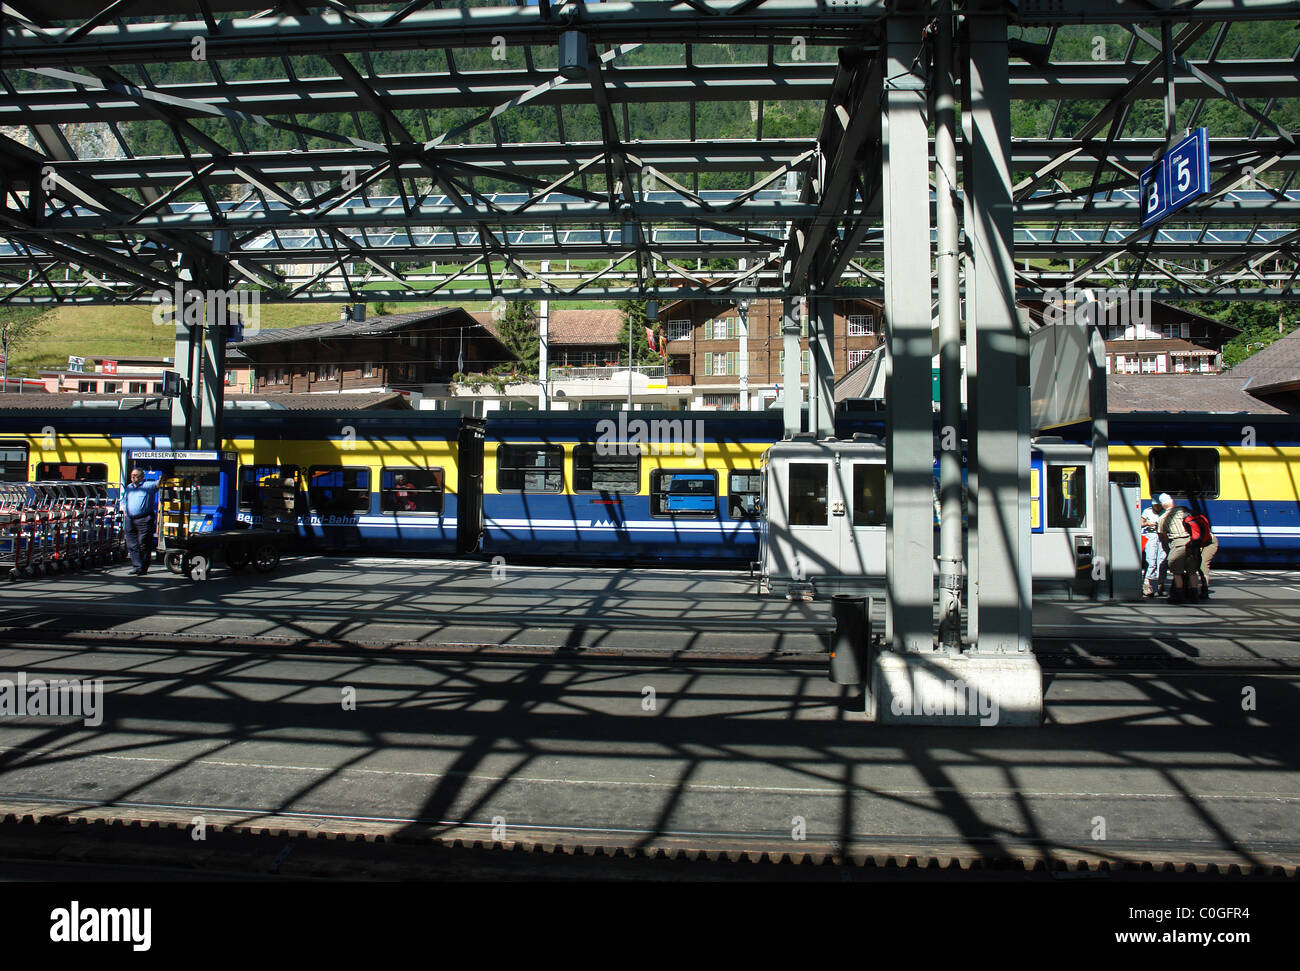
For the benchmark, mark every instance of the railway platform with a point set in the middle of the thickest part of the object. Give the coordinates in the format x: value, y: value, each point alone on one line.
x: 641, y: 711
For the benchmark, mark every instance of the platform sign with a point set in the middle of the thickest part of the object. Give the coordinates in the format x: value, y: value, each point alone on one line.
x: 1178, y: 178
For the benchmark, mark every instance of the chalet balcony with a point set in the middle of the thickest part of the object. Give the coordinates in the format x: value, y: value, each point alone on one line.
x: 608, y: 372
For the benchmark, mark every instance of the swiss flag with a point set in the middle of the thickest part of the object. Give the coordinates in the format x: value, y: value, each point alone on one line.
x: 650, y: 339
x: 110, y: 367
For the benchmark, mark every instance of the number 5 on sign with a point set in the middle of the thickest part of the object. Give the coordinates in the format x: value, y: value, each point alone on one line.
x: 1178, y: 178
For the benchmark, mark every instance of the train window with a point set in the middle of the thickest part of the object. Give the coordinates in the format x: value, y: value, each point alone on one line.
x: 1067, y: 497
x: 593, y: 472
x: 530, y: 468
x: 338, y: 490
x: 72, y: 471
x: 411, y: 490
x: 808, y: 485
x: 743, y: 489
x: 1127, y: 479
x: 868, y: 494
x: 254, y: 478
x: 1191, y: 472
x: 684, y: 492
x: 13, y: 462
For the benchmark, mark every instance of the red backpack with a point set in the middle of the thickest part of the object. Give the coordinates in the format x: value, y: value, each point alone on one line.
x: 1198, y: 527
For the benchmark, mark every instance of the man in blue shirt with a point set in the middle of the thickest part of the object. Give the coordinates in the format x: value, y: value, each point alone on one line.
x: 139, y: 501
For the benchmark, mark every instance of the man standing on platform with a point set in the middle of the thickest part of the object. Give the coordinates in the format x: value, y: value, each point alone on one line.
x: 1153, y: 581
x: 139, y: 505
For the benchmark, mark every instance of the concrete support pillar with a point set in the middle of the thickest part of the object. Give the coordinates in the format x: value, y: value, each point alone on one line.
x: 790, y: 372
x: 212, y: 368
x: 909, y: 547
x: 821, y: 380
x: 184, y: 363
x: 998, y: 368
x: 1102, y: 553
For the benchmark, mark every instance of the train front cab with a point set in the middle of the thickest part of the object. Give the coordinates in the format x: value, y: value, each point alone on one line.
x: 1061, y: 517
x: 824, y: 514
x: 621, y: 487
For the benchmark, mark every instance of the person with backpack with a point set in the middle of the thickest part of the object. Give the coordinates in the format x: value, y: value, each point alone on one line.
x: 1202, y: 531
x: 1183, y: 553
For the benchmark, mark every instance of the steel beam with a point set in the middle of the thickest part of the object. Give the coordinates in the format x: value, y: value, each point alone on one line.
x: 997, y: 363
x: 909, y: 547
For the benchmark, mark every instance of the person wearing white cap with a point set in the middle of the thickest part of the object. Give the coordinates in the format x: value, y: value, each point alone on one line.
x: 1153, y: 579
x: 1184, y: 556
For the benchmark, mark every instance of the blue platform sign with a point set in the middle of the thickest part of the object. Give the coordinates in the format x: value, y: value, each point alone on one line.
x: 1178, y: 178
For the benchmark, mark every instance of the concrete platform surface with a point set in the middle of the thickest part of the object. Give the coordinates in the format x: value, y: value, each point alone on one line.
x: 1128, y: 765
x: 1253, y: 618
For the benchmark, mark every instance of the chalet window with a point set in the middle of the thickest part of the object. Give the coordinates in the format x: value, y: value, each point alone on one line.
x: 860, y: 325
x: 857, y: 357
x: 678, y: 330
x: 720, y: 329
x: 136, y: 387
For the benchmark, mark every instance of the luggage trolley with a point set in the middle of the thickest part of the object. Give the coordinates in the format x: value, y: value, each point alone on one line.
x: 197, y: 514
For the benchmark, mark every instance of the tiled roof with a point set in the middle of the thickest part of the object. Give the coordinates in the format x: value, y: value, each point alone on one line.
x: 573, y: 326
x: 584, y: 326
x: 1213, y: 393
x: 1277, y: 364
x: 347, y: 328
x: 856, y: 382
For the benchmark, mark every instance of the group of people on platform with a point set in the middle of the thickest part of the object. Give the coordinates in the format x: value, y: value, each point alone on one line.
x: 1178, y: 544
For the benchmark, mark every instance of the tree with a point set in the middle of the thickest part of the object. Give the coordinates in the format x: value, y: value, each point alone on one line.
x: 1256, y: 319
x: 18, y: 326
x: 517, y: 329
x: 634, y: 314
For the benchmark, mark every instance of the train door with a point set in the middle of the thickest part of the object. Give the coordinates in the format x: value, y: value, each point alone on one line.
x: 469, y: 487
x: 861, y: 487
x: 814, y: 542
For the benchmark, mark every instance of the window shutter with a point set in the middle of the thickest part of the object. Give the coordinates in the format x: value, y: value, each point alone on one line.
x: 708, y: 364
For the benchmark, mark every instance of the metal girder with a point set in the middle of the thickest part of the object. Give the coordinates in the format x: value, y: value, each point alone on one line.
x: 431, y: 190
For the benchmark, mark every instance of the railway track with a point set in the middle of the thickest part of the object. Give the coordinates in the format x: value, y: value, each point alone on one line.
x: 264, y: 843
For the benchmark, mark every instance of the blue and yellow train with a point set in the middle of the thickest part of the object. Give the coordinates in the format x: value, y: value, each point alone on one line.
x: 614, y: 486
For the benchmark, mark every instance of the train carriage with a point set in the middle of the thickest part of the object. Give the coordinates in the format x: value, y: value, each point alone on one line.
x: 617, y: 486
x: 1242, y: 471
